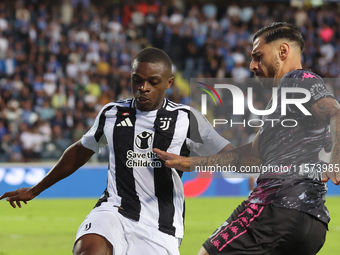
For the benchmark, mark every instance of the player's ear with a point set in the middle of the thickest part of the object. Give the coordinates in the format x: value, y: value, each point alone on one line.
x: 170, y: 81
x: 284, y: 51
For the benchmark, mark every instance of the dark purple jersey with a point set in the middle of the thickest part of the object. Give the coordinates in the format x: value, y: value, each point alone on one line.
x: 293, y: 150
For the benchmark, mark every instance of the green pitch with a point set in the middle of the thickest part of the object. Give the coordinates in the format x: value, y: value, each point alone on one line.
x: 48, y: 226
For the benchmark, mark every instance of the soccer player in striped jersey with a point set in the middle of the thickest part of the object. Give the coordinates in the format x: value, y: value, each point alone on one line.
x: 142, y: 209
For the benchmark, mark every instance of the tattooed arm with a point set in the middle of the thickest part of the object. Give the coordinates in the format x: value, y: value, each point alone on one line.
x: 328, y: 109
x: 243, y: 155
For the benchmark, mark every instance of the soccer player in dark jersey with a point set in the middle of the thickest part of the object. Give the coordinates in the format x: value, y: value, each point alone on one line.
x: 142, y: 209
x: 286, y: 212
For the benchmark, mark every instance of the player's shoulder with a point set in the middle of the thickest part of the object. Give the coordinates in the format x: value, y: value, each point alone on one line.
x: 302, y: 75
x: 118, y: 103
x: 172, y: 106
x: 301, y: 78
x: 124, y: 103
x: 189, y: 111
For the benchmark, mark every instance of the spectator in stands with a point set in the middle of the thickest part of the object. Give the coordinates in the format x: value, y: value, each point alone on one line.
x: 50, y: 49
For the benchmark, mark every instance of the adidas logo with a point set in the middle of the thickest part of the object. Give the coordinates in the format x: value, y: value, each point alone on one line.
x: 125, y: 123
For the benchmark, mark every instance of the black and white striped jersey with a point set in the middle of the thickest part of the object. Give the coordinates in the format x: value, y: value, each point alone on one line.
x: 138, y: 182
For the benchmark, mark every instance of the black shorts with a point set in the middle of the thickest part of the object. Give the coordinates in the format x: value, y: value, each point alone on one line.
x: 266, y: 229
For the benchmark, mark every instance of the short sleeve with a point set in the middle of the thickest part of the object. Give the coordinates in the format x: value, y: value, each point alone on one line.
x: 314, y: 84
x: 95, y: 139
x: 203, y: 138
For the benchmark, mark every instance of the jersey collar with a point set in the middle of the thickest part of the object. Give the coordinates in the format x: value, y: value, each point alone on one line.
x: 133, y: 103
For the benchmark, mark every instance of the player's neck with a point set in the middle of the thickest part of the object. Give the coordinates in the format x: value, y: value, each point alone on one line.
x: 286, y: 68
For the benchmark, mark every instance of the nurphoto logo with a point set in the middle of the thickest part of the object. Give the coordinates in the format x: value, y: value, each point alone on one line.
x: 241, y: 98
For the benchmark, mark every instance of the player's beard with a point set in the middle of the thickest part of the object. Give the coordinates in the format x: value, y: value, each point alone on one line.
x: 272, y: 71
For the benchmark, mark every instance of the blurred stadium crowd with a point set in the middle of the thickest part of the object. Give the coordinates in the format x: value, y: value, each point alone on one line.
x: 61, y: 61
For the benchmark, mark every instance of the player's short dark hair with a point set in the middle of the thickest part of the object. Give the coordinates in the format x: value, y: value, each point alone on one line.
x: 154, y: 55
x: 281, y: 30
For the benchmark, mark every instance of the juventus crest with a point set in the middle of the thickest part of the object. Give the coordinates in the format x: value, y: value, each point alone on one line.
x: 165, y: 123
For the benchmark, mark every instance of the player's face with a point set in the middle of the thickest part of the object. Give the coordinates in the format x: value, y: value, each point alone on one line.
x: 264, y: 62
x: 149, y: 83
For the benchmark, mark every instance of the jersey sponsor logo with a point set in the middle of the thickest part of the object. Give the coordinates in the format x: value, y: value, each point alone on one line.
x: 87, y: 226
x: 142, y: 159
x: 308, y: 76
x: 125, y: 123
x: 143, y: 140
x: 165, y: 123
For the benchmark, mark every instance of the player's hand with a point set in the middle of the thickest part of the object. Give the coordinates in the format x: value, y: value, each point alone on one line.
x: 174, y: 161
x: 15, y: 197
x: 332, y: 174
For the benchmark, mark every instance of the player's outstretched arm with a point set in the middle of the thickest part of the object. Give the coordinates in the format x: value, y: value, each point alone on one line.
x: 174, y: 160
x: 243, y: 155
x: 73, y: 158
x: 328, y: 109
